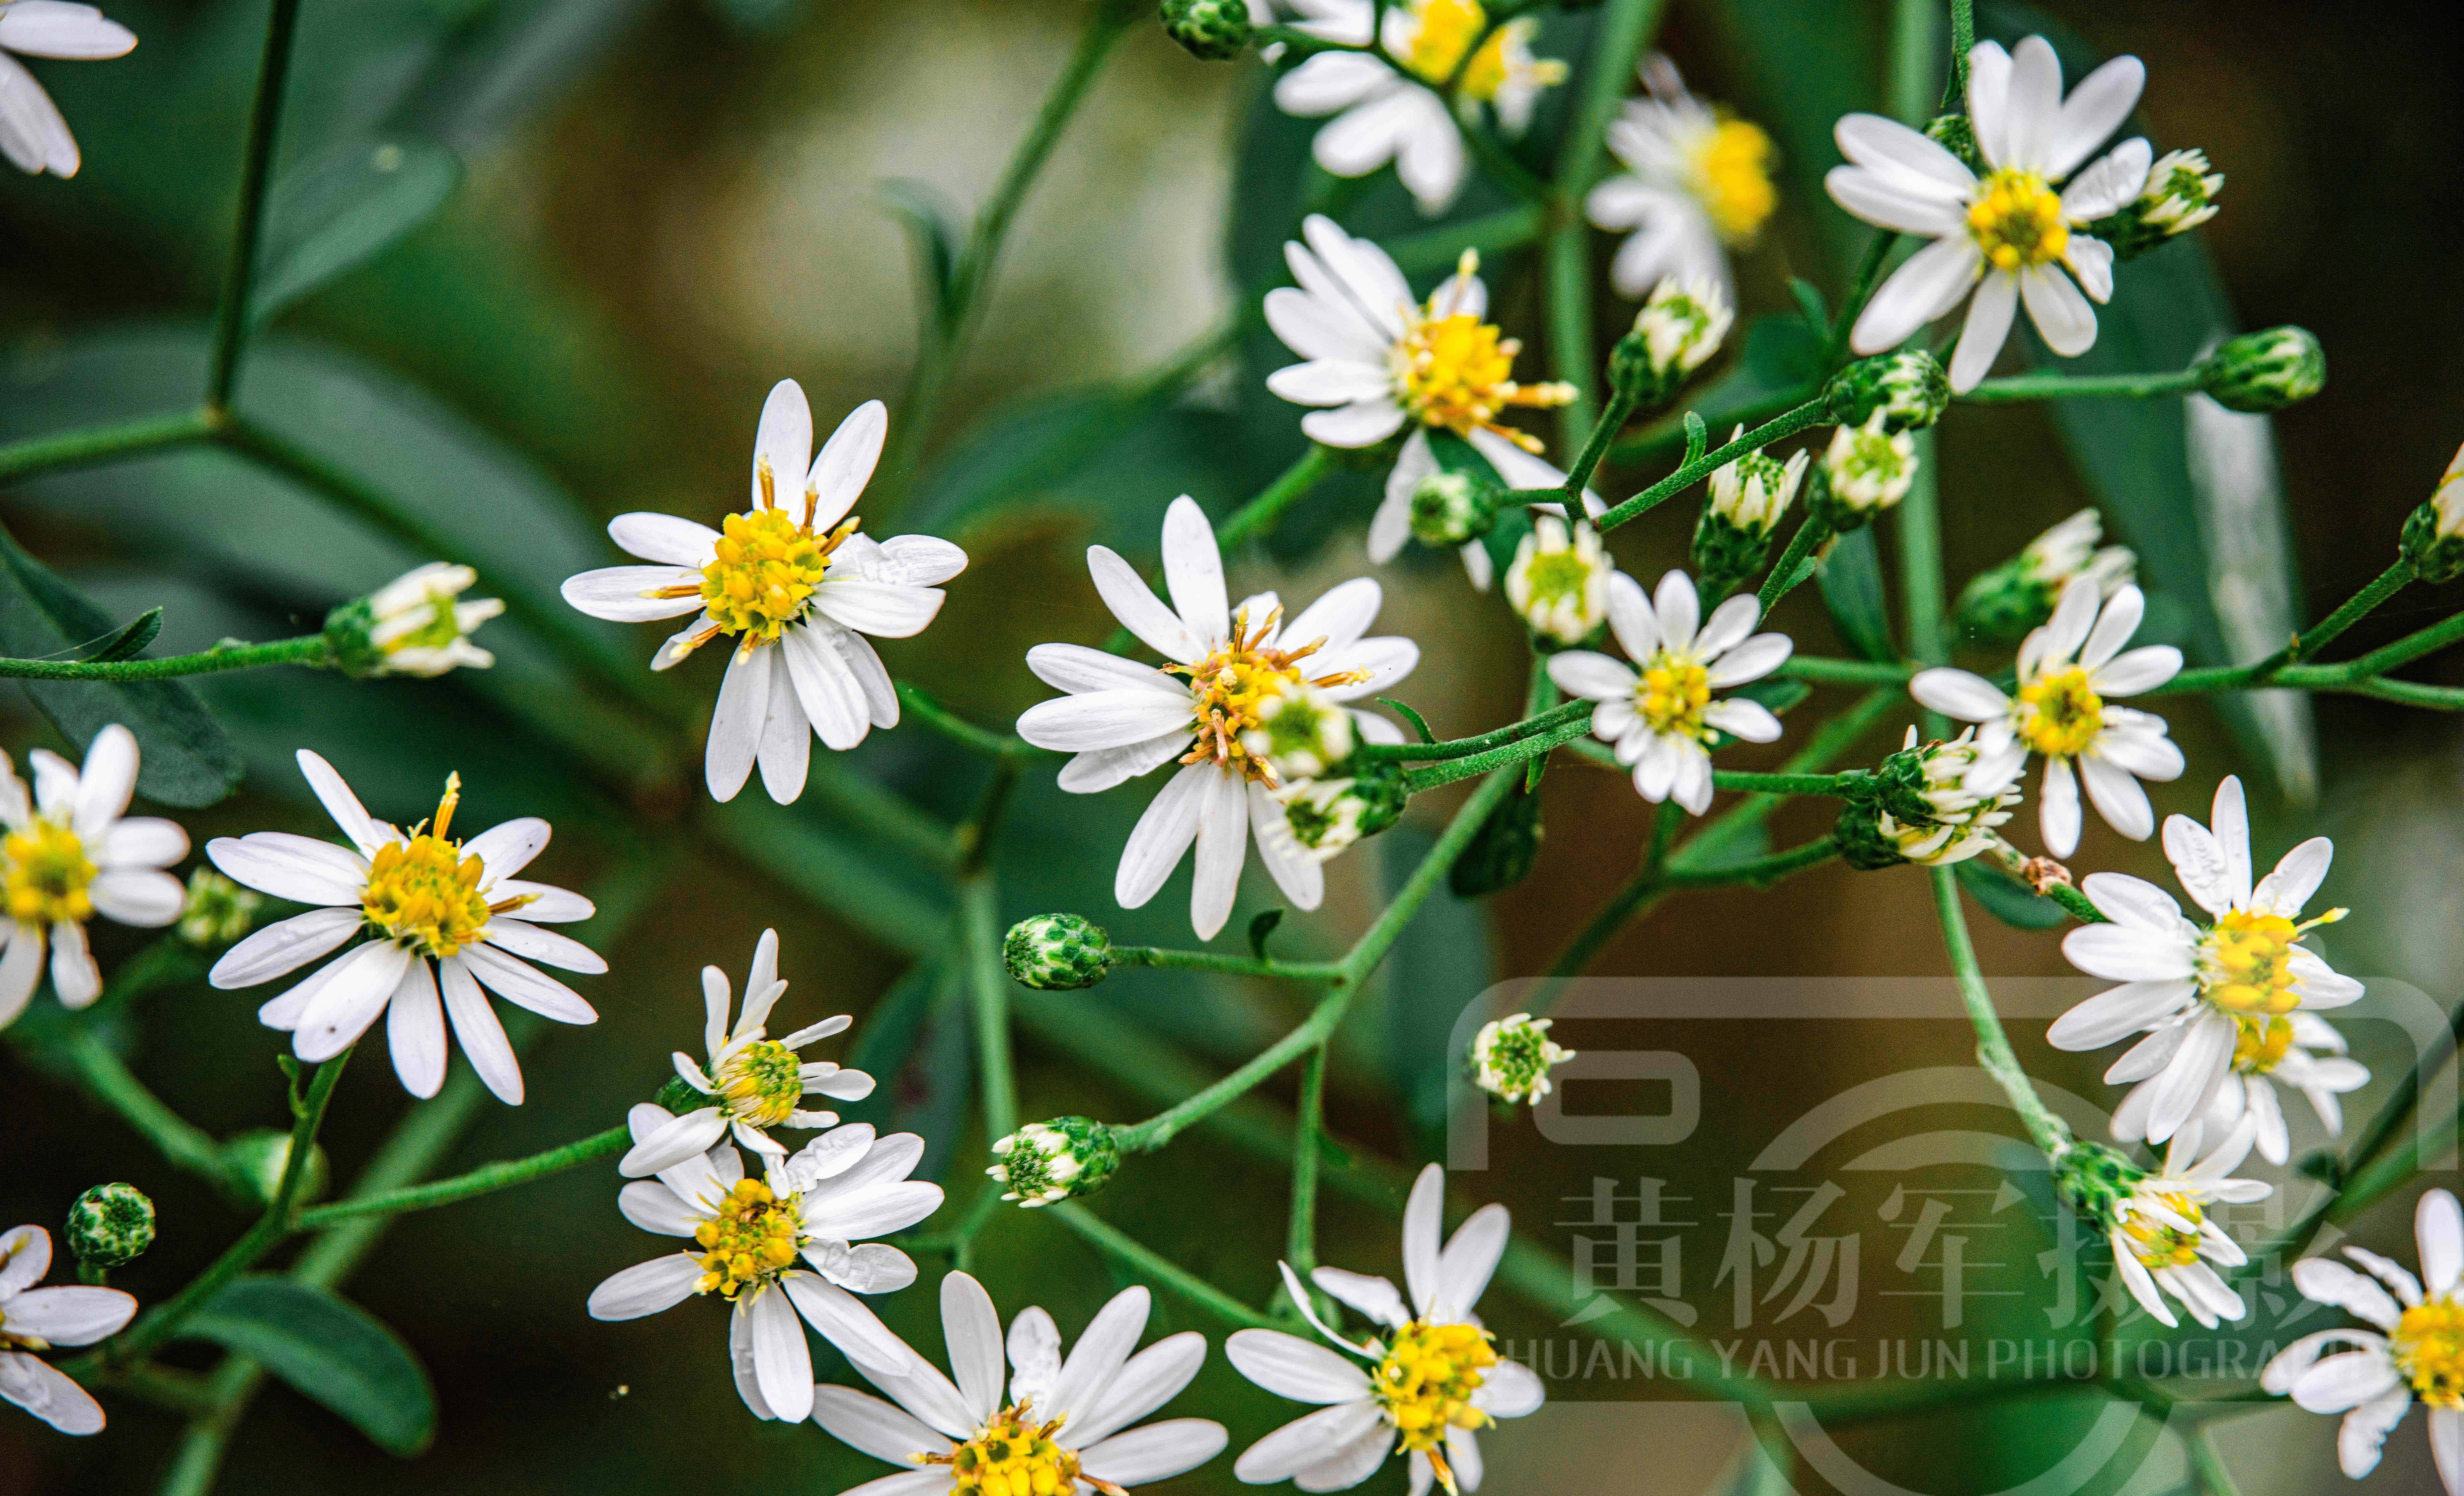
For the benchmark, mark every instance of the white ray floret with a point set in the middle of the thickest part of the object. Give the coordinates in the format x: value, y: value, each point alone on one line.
x: 440, y: 918
x: 1694, y: 186
x: 795, y: 585
x: 32, y: 135
x: 818, y: 1207
x: 35, y: 1319
x: 1122, y: 720
x: 1053, y: 1425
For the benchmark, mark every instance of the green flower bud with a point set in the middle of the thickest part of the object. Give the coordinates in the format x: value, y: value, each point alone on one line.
x: 1559, y: 581
x: 1935, y: 804
x: 254, y: 1161
x: 2180, y: 194
x: 2017, y: 596
x: 1054, y: 952
x: 1953, y: 133
x: 111, y: 1225
x: 1213, y: 31
x: 1510, y: 1058
x: 2093, y: 1179
x: 677, y: 1096
x: 2434, y: 534
x: 1450, y: 508
x: 218, y: 911
x: 1908, y: 388
x: 2263, y: 371
x: 1326, y: 816
x: 1864, y: 471
x: 1748, y: 497
x: 1676, y: 333
x: 415, y: 625
x: 1046, y: 1161
x: 1502, y: 852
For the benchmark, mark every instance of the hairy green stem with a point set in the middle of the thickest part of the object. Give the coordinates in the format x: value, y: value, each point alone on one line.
x: 1147, y: 1263
x: 1814, y: 670
x: 1300, y: 1237
x: 1465, y: 747
x: 2360, y: 605
x: 1993, y: 1045
x: 1617, y: 38
x: 1916, y: 30
x: 2081, y: 386
x: 1604, y: 430
x: 1221, y: 961
x: 86, y: 446
x: 485, y: 1180
x: 1471, y: 766
x: 988, y: 989
x: 1667, y: 436
x: 256, y: 177
x: 1921, y: 576
x: 1802, y: 544
x: 309, y: 649
x: 1785, y: 425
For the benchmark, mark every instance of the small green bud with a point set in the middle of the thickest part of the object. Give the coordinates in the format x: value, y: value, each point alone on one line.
x: 1054, y: 952
x: 1953, y: 133
x: 2263, y: 371
x: 254, y: 1161
x: 1559, y: 581
x: 2180, y: 195
x: 2434, y: 534
x: 1450, y: 508
x: 1936, y: 804
x: 415, y: 625
x: 1213, y: 31
x: 1046, y: 1161
x: 218, y: 911
x: 1910, y: 387
x: 2093, y: 1179
x: 1748, y: 497
x: 676, y: 1096
x: 1676, y: 332
x: 1510, y: 1058
x: 111, y: 1225
x: 1502, y: 852
x: 1865, y: 844
x: 2010, y: 599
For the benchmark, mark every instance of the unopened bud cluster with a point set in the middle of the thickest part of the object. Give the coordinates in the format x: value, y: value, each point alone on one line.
x: 111, y: 1225
x: 415, y: 625
x: 1749, y: 495
x: 218, y: 911
x: 1046, y: 1162
x: 1054, y: 952
x: 2180, y: 194
x: 1864, y: 471
x: 1559, y: 581
x: 2434, y: 534
x: 1324, y: 816
x: 1215, y: 30
x: 2263, y: 371
x: 1935, y: 804
x: 2014, y: 597
x: 1676, y: 332
x: 1451, y: 507
x: 1909, y: 390
x: 1511, y: 1057
x: 2093, y: 1180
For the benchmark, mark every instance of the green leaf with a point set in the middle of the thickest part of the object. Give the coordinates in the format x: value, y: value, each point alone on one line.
x: 1439, y: 967
x: 128, y: 641
x: 335, y: 215
x: 1261, y: 927
x: 1811, y: 305
x: 2006, y: 898
x: 1851, y: 579
x: 183, y: 758
x: 330, y: 1352
x: 938, y: 234
x: 1420, y: 723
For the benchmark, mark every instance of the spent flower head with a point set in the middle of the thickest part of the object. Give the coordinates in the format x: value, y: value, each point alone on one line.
x: 218, y: 911
x: 1511, y: 1057
x: 1453, y: 508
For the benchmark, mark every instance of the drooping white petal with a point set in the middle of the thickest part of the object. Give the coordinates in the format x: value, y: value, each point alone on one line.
x: 2438, y: 1230
x: 783, y: 1362
x: 415, y: 1031
x: 2367, y: 1427
x: 525, y: 988
x: 2062, y: 313
x: 1162, y: 834
x: 1291, y: 1367
x: 1222, y: 845
x: 300, y: 868
x: 33, y: 1384
x: 1300, y: 876
x: 349, y: 1001
x: 2118, y: 796
x: 1306, y: 1441
x: 1989, y: 323
x: 646, y: 1288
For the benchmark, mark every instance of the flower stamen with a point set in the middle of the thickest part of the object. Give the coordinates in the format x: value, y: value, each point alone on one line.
x: 1457, y: 371
x: 2016, y: 219
x: 49, y: 874
x: 2428, y: 1347
x: 2059, y: 714
x: 424, y: 892
x: 751, y: 1239
x: 1425, y: 1383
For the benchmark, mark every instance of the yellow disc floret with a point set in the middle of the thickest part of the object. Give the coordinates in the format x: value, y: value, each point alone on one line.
x: 1228, y: 687
x: 750, y: 1241
x: 2018, y: 221
x: 2428, y: 1348
x: 761, y: 1083
x: 1013, y: 1455
x: 1426, y: 1381
x: 424, y: 893
x: 2245, y: 963
x: 1444, y: 29
x: 48, y: 875
x: 1671, y: 693
x: 2158, y: 1243
x: 1457, y: 371
x: 763, y: 573
x: 2059, y: 714
x: 2261, y: 1042
x: 1729, y: 172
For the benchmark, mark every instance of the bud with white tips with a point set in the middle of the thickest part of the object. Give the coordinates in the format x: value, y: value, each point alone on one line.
x: 1449, y: 508
x: 1864, y: 471
x: 1910, y: 387
x: 2180, y: 194
x: 1212, y: 31
x: 1511, y: 1057
x: 1325, y: 816
x: 1676, y: 332
x: 1559, y: 581
x: 2263, y: 371
x: 1301, y: 733
x: 2434, y: 534
x: 1057, y: 953
x: 415, y: 625
x: 2005, y: 603
x: 1749, y: 495
x: 1046, y: 1162
x: 1933, y: 805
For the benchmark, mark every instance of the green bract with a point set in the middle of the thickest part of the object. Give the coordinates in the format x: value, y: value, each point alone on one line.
x: 1910, y: 387
x: 1216, y: 31
x: 1056, y: 951
x: 2263, y: 371
x: 1043, y: 1162
x: 111, y: 1225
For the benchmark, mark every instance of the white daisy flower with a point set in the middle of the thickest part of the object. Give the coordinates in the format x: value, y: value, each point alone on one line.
x: 2212, y: 999
x: 69, y: 854
x: 821, y: 1206
x: 2416, y: 1351
x: 1401, y: 116
x: 1694, y: 185
x: 1559, y: 581
x: 2298, y: 1049
x: 32, y: 135
x: 438, y: 914
x: 1061, y: 1426
x: 37, y: 1319
x: 1433, y: 1381
x: 1123, y: 719
x: 796, y: 584
x: 753, y: 1082
x: 2164, y: 1240
x: 418, y: 625
x: 2002, y: 234
x: 1659, y: 711
x: 2068, y: 669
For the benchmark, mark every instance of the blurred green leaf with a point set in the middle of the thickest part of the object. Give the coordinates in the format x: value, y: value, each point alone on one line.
x: 885, y: 1045
x: 933, y: 1090
x: 1851, y: 579
x: 185, y: 759
x: 1782, y: 352
x: 1438, y: 968
x: 330, y: 1352
x: 128, y: 641
x: 938, y: 233
x: 846, y: 877
x: 513, y: 57
x: 2006, y: 898
x: 334, y: 215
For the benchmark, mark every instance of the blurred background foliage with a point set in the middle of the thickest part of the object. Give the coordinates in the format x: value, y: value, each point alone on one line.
x: 535, y: 263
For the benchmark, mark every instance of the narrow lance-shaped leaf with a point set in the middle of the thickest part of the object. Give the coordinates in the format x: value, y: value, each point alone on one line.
x: 330, y: 1352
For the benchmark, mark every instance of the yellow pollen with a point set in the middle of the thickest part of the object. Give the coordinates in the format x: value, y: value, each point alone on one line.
x: 1426, y: 1381
x: 761, y: 1083
x: 2018, y: 221
x: 48, y: 875
x: 2060, y: 715
x: 424, y: 892
x: 2245, y: 963
x: 1672, y: 694
x: 2428, y: 1348
x: 762, y: 575
x: 1729, y: 171
x: 1457, y: 371
x: 1227, y: 687
x: 1012, y: 1454
x: 2261, y: 1044
x: 2158, y: 1244
x: 750, y: 1241
x: 1447, y: 28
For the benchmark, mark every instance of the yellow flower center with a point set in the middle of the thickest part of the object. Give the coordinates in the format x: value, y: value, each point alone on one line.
x: 2262, y: 1043
x: 1426, y: 1381
x: 2428, y: 1348
x: 2247, y: 965
x: 763, y: 573
x: 1227, y: 687
x: 1729, y: 172
x: 1447, y: 28
x: 1457, y: 371
x: 2160, y: 1244
x: 1672, y: 694
x: 750, y: 1241
x: 424, y: 893
x: 48, y: 875
x: 2018, y: 221
x: 761, y: 1083
x: 1013, y: 1456
x: 2059, y: 714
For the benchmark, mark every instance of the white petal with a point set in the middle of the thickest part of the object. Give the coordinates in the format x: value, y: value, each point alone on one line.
x: 415, y: 1031
x: 736, y: 723
x: 1677, y: 609
x: 1330, y: 382
x: 2447, y: 1447
x: 1100, y: 719
x: 615, y: 593
x: 1193, y: 569
x: 1076, y: 669
x: 1899, y: 202
x: 2118, y: 1013
x: 524, y: 987
x: 2108, y: 184
x: 672, y: 543
x: 477, y: 1028
x: 677, y: 1139
x: 1373, y: 1296
x: 2135, y: 902
x: 1364, y: 422
x: 2064, y: 317
x: 971, y: 1328
x: 1730, y: 623
x: 295, y: 867
x: 783, y: 1362
x: 2094, y: 110
x: 1222, y: 846
x: 2296, y: 877
x: 2367, y: 1427
x: 2141, y: 670
x: 2118, y: 796
x: 349, y: 1001
x: 884, y: 609
x: 1591, y: 676
x: 56, y: 28
x: 876, y: 1428
x: 509, y: 847
x: 839, y: 474
x: 1306, y: 1441
x: 1929, y: 285
x: 2338, y: 1382
x: 1339, y: 616
x: 1989, y: 322
x: 109, y: 775
x: 34, y: 1385
x: 1156, y: 1452
x: 2330, y: 1282
x: 1100, y: 769
x: 826, y: 690
x: 2030, y: 105
x: 1511, y: 1391
x: 2058, y: 808
x: 1087, y: 1375
x: 546, y: 906
x: 1469, y: 1258
x: 1421, y: 1215
x: 2438, y: 1230
x: 1314, y: 330
x: 646, y: 1288
x: 1140, y: 610
x: 1291, y: 1367
x: 71, y: 1314
x: 1300, y: 876
x: 782, y: 447
x: 1958, y: 694
x: 1162, y: 834
x: 1872, y: 141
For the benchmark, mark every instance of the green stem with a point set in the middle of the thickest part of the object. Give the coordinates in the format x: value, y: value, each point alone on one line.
x: 2081, y: 386
x: 1219, y: 961
x: 1993, y: 1045
x: 1667, y: 436
x: 91, y: 443
x: 482, y: 1181
x: 2360, y: 605
x: 1148, y: 1265
x: 958, y: 730
x: 1621, y: 402
x: 1963, y: 40
x: 1259, y: 514
x: 178, y: 1139
x: 1841, y: 783
x: 1921, y: 574
x: 1814, y: 670
x: 1809, y: 537
x: 1869, y: 273
x: 1787, y: 424
x: 161, y: 1322
x: 1464, y: 747
x: 2208, y: 1463
x: 1300, y: 1238
x: 256, y: 167
x: 1761, y: 872
x: 988, y: 991
x: 1572, y: 358
x: 1916, y: 28
x: 1474, y: 765
x: 2073, y: 902
x: 309, y: 649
